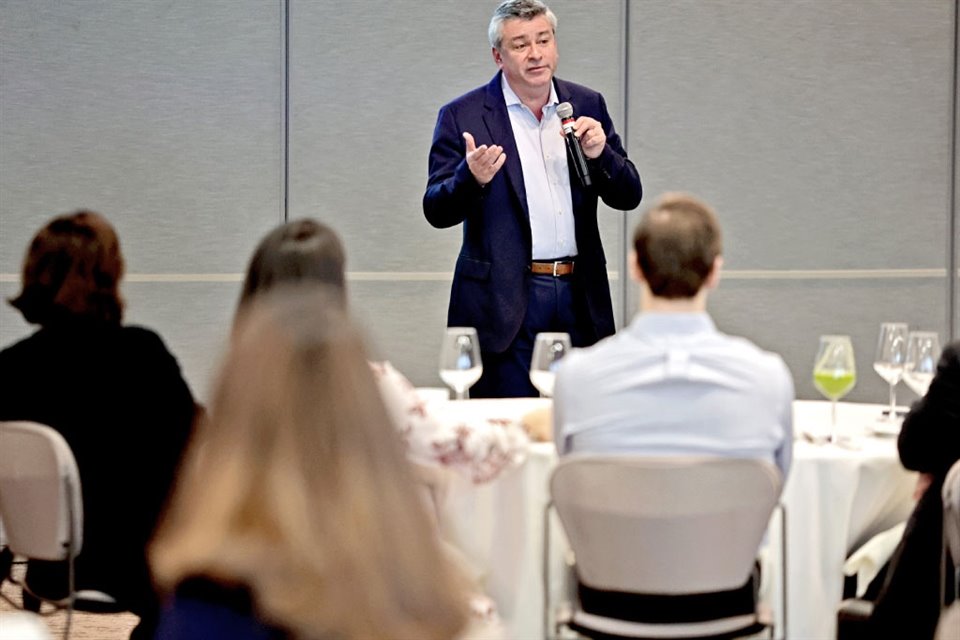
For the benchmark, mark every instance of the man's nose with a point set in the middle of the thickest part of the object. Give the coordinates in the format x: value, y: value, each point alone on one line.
x: 535, y: 51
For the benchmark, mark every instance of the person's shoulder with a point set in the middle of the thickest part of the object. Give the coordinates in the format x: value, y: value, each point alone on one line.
x: 951, y: 354
x: 139, y: 337
x: 577, y: 92
x: 766, y: 361
x: 469, y: 99
x: 566, y: 87
x: 24, y: 347
x: 585, y: 359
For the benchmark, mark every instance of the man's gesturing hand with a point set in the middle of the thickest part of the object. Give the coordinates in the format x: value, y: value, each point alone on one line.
x: 483, y: 161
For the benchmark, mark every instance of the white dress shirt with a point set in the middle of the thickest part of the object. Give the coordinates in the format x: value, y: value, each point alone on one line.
x: 546, y: 178
x: 671, y: 384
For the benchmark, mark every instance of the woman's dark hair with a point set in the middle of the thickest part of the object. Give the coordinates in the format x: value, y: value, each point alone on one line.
x: 298, y: 252
x: 71, y: 272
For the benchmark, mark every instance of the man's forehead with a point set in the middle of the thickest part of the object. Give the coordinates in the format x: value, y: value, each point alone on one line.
x: 523, y: 28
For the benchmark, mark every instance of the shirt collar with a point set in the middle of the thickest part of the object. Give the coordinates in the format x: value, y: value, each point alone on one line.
x: 680, y: 324
x: 511, y: 98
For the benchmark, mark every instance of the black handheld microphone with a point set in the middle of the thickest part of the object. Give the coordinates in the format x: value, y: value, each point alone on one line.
x: 565, y: 112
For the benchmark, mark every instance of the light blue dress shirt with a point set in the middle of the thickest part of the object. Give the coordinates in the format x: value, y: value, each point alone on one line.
x: 546, y: 178
x: 671, y: 384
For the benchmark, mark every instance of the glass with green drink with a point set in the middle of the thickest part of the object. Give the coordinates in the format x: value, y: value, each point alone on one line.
x: 834, y: 373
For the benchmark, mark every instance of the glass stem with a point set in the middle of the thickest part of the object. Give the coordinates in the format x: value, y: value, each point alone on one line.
x: 833, y: 421
x: 461, y: 393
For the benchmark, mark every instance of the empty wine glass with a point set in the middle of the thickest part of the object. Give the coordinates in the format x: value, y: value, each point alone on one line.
x: 460, y: 364
x: 891, y: 354
x: 923, y: 350
x: 548, y: 349
x: 834, y: 373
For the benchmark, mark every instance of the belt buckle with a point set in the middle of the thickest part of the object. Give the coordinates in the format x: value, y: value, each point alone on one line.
x: 555, y: 263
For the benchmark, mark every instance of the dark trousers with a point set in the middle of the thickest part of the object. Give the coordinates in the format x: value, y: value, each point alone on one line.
x: 554, y: 303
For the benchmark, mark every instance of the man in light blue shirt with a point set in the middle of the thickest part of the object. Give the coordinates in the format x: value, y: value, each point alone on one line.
x: 670, y: 383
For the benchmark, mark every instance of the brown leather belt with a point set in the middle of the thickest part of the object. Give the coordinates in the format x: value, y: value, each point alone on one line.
x: 555, y: 268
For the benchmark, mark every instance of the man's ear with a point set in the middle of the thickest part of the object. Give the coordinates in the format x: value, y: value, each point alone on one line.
x: 634, y: 265
x: 496, y: 57
x: 714, y: 278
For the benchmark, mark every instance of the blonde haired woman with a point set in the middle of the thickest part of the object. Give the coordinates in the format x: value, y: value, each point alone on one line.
x: 298, y: 515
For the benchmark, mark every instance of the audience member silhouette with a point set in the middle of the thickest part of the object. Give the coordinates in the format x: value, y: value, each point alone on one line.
x: 908, y: 605
x: 115, y: 393
x: 297, y: 514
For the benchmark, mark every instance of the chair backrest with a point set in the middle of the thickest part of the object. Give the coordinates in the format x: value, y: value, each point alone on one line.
x: 951, y: 512
x: 40, y: 499
x: 664, y: 525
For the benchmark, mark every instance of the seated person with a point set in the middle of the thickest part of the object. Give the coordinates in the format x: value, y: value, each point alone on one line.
x: 114, y: 392
x: 908, y: 604
x: 307, y: 251
x: 297, y: 514
x: 670, y: 383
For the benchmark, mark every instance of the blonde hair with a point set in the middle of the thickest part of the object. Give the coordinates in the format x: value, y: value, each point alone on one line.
x: 298, y: 487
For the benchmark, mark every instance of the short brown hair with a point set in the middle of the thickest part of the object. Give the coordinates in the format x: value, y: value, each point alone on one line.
x: 71, y: 271
x: 677, y: 242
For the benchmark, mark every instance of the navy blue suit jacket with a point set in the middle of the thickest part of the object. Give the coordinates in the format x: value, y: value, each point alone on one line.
x: 489, y: 288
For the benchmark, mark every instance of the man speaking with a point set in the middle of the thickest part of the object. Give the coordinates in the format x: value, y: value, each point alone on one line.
x: 531, y: 258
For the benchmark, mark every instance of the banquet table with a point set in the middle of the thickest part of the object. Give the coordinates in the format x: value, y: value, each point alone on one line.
x: 836, y: 497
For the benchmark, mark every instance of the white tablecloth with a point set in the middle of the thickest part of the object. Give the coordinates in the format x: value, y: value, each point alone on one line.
x: 835, y: 498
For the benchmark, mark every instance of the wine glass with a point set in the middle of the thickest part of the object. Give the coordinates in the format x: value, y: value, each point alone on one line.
x: 460, y: 364
x: 548, y: 349
x: 891, y: 354
x: 834, y: 373
x: 923, y: 350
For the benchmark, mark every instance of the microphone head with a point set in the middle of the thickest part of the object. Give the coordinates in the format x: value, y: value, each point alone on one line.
x: 565, y: 110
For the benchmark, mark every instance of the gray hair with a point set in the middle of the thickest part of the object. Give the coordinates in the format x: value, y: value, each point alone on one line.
x: 512, y: 9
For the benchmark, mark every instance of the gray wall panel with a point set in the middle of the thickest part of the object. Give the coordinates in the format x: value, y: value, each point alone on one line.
x: 164, y: 116
x: 404, y: 323
x: 364, y: 97
x: 819, y: 129
x: 790, y: 319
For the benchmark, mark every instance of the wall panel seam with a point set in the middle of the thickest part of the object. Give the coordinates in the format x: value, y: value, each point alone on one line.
x: 285, y: 107
x: 625, y: 136
x: 953, y: 287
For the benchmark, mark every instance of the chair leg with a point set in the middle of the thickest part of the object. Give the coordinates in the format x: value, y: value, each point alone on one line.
x: 66, y: 628
x: 30, y: 601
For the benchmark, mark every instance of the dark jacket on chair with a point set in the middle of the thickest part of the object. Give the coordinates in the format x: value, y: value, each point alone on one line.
x: 908, y: 606
x: 117, y: 396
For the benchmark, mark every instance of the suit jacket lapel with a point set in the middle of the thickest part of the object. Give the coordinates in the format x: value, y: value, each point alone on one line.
x: 497, y: 119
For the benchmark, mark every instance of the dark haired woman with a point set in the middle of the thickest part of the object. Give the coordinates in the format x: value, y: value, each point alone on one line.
x: 115, y: 393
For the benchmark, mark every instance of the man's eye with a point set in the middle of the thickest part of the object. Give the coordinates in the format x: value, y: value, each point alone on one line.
x: 520, y: 46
